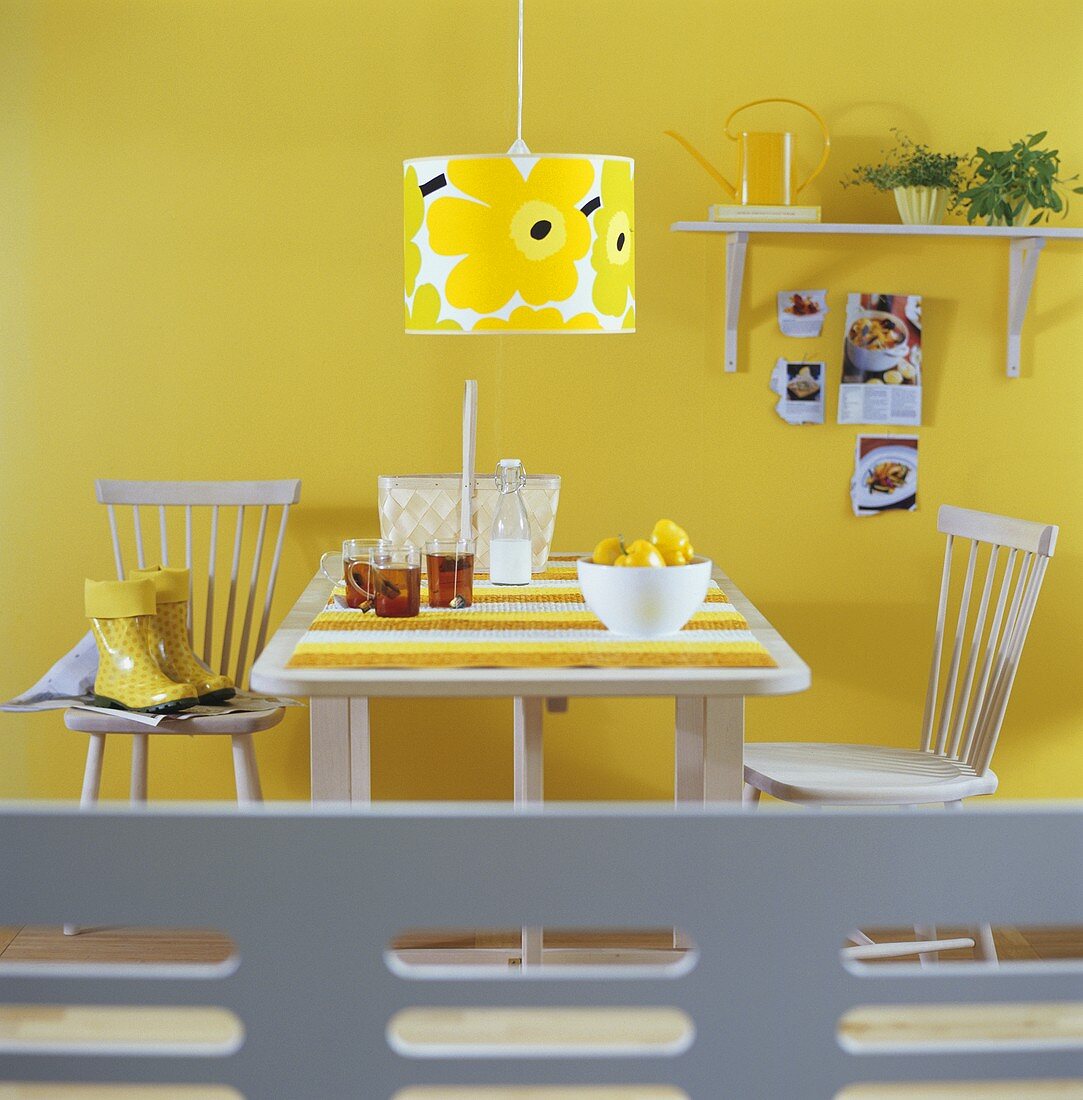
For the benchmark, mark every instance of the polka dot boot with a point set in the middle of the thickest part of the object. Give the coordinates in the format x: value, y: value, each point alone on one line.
x: 128, y: 676
x: 169, y: 635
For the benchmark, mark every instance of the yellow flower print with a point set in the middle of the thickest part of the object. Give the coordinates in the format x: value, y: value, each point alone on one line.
x: 523, y: 317
x: 520, y: 235
x: 413, y: 214
x: 426, y: 311
x: 613, y: 255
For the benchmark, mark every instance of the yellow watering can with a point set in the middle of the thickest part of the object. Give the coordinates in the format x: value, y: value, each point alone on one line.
x: 764, y: 161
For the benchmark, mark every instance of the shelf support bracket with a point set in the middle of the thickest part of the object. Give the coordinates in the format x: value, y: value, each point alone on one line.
x: 1022, y: 264
x: 736, y: 243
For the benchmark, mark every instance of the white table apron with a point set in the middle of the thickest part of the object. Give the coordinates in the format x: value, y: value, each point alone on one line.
x: 708, y: 746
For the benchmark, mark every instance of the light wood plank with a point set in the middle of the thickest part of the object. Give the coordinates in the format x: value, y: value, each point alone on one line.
x: 967, y: 1090
x: 884, y: 1027
x: 56, y: 1091
x: 534, y: 1030
x: 163, y: 945
x: 528, y: 1092
x: 36, y: 943
x: 25, y: 1028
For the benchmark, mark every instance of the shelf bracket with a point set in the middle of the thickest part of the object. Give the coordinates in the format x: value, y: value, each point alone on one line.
x: 1022, y: 264
x: 736, y: 243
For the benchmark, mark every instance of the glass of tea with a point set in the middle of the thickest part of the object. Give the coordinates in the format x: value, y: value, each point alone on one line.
x: 356, y: 569
x: 449, y: 564
x: 396, y: 581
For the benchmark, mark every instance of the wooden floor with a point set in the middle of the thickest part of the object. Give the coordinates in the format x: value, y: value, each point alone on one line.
x: 878, y: 1026
x: 151, y: 945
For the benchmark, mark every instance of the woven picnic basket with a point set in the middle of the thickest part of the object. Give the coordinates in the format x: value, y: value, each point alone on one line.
x: 418, y: 507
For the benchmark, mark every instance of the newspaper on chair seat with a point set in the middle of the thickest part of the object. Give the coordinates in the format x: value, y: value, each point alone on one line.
x: 70, y: 683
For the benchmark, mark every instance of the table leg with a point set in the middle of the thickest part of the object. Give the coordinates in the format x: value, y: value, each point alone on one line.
x: 688, y: 743
x: 529, y: 787
x: 724, y: 749
x: 329, y: 729
x: 360, y: 751
x: 708, y: 755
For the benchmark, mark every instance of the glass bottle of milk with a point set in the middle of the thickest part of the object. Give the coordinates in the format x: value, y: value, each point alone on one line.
x: 509, y: 542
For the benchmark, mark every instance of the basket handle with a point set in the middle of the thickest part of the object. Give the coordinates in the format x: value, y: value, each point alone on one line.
x: 470, y: 429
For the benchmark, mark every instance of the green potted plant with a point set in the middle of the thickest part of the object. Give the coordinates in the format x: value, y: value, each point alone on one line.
x: 925, y: 183
x: 1020, y: 185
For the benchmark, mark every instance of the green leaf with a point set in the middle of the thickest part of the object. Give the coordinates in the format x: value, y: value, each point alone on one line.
x: 1035, y: 138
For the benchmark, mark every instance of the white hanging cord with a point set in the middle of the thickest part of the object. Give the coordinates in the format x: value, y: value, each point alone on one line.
x: 520, y: 146
x: 519, y: 131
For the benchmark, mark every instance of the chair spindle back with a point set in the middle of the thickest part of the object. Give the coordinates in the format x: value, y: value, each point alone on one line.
x: 963, y: 716
x: 199, y: 500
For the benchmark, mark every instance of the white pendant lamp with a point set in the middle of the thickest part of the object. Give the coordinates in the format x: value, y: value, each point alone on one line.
x: 519, y: 242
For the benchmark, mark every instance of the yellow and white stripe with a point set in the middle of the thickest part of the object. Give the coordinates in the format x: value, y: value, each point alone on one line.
x: 545, y: 624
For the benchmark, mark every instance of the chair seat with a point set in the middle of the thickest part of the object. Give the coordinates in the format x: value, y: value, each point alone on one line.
x: 90, y: 721
x: 797, y: 771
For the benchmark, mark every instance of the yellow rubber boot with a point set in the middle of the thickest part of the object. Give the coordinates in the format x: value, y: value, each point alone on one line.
x: 128, y: 675
x: 169, y: 635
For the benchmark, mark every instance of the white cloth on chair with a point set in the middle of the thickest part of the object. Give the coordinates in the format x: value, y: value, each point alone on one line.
x: 70, y: 683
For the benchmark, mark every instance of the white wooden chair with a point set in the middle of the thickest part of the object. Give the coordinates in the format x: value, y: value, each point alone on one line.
x: 964, y: 707
x: 192, y: 500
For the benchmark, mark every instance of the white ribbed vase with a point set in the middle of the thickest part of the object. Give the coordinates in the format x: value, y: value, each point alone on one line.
x: 921, y: 205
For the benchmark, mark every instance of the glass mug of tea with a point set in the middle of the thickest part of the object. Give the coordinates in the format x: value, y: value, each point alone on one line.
x: 449, y: 565
x: 395, y: 573
x: 356, y: 568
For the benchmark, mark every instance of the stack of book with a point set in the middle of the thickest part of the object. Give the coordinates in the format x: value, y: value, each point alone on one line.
x: 735, y: 212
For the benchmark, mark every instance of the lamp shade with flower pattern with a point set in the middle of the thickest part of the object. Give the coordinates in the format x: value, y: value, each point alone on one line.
x: 518, y: 243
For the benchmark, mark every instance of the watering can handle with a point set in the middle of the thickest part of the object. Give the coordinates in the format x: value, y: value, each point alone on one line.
x: 805, y: 107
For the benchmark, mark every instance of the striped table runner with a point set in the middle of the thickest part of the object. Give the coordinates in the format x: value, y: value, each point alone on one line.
x: 543, y: 625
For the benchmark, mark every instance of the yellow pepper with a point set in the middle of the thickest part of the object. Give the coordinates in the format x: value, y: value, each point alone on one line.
x: 641, y: 553
x: 672, y: 542
x: 608, y: 550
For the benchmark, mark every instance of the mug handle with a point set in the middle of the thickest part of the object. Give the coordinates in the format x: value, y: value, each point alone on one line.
x: 337, y: 576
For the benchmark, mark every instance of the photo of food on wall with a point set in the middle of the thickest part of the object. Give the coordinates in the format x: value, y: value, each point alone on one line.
x: 804, y: 381
x: 882, y: 345
x: 885, y: 475
x: 801, y: 312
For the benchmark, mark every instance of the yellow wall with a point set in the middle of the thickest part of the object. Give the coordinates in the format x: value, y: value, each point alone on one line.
x: 201, y: 256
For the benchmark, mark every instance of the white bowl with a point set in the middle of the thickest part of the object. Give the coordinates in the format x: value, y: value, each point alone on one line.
x: 644, y: 602
x: 877, y: 360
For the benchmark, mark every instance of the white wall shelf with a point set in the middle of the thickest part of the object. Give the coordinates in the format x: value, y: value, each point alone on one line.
x: 1025, y: 244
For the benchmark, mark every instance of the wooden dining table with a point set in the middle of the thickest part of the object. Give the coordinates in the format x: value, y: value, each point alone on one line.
x: 709, y: 709
x: 709, y: 704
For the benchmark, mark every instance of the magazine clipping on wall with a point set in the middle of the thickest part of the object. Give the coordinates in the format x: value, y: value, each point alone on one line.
x: 885, y: 474
x: 801, y: 312
x: 800, y: 389
x: 881, y: 360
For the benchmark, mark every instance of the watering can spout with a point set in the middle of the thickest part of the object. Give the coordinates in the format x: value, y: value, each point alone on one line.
x: 711, y: 170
